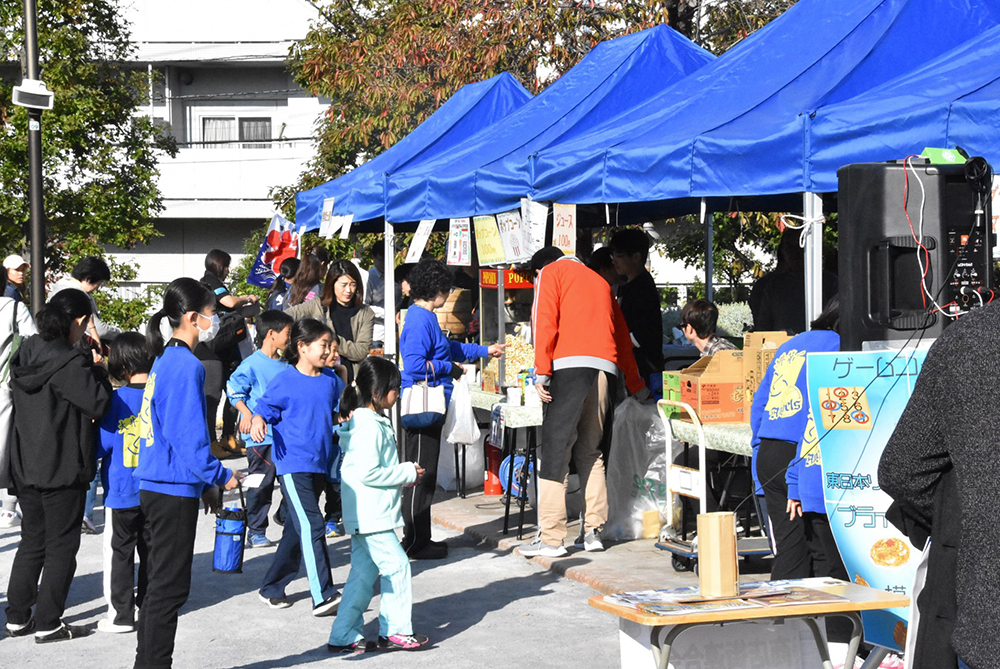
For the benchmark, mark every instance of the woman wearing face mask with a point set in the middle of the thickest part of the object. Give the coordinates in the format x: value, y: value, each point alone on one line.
x: 176, y: 466
x: 342, y: 310
x: 58, y: 393
x: 220, y: 363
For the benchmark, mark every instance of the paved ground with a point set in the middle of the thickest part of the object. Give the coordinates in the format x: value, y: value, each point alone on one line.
x: 482, y: 607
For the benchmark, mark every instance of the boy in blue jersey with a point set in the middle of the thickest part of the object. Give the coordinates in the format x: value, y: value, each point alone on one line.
x: 245, y: 388
x: 120, y: 440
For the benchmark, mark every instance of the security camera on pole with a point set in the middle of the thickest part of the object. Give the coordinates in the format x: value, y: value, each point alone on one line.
x: 33, y: 95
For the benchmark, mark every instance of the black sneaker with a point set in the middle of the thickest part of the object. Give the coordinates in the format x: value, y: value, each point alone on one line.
x: 356, y: 648
x: 327, y: 608
x: 64, y: 633
x: 21, y: 630
x: 402, y: 642
x: 275, y: 602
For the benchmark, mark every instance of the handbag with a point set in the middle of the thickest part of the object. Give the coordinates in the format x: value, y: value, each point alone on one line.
x: 423, y: 405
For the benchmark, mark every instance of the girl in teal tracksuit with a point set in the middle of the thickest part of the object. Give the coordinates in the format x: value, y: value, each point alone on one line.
x: 371, y: 478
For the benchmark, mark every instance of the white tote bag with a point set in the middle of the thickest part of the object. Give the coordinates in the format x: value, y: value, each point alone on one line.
x: 423, y: 405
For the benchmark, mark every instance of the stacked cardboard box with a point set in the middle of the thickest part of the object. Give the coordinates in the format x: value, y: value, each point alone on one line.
x: 713, y: 386
x: 758, y: 352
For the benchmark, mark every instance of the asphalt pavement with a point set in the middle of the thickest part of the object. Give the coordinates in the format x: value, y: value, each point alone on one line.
x: 481, y: 608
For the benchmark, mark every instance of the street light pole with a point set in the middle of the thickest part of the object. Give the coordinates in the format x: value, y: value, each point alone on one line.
x: 35, y: 194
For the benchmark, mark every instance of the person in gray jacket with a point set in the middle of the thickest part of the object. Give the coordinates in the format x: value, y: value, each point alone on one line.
x: 341, y: 308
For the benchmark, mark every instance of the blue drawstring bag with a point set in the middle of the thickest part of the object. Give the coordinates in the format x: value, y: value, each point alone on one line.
x: 230, y: 538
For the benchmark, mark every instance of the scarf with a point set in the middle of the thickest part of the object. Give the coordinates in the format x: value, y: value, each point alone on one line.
x: 341, y: 317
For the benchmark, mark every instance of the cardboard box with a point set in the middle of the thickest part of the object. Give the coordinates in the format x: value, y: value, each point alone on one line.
x: 672, y: 391
x: 713, y: 386
x: 718, y: 561
x: 758, y: 352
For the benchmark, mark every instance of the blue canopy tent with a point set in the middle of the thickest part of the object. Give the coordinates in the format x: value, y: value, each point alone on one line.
x: 489, y: 172
x: 818, y: 52
x: 361, y: 193
x: 953, y: 101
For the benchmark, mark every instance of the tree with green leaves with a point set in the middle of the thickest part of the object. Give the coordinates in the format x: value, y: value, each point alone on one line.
x: 100, y: 157
x: 389, y: 64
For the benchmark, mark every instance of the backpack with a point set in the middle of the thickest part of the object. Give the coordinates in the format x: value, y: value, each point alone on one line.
x: 232, y: 330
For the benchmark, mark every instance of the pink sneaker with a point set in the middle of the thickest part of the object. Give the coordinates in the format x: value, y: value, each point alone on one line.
x: 402, y: 642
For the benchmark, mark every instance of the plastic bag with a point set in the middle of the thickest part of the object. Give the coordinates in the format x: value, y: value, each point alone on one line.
x: 460, y: 425
x: 637, y: 472
x: 475, y: 464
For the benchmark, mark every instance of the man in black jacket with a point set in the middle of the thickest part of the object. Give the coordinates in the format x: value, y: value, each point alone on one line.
x: 639, y: 300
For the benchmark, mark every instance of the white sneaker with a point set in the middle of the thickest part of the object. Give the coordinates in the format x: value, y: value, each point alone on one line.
x: 10, y: 519
x: 110, y: 627
x: 539, y: 547
x: 591, y: 541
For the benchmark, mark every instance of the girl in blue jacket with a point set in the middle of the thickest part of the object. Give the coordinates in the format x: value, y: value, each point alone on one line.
x: 176, y: 466
x: 301, y: 404
x: 371, y: 478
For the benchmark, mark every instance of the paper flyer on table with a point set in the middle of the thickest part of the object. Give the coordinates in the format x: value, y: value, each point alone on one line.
x: 857, y: 399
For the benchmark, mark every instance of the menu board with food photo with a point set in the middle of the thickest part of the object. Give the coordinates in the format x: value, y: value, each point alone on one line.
x: 859, y: 397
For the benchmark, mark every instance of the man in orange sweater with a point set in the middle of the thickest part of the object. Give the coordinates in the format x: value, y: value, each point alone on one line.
x: 581, y: 342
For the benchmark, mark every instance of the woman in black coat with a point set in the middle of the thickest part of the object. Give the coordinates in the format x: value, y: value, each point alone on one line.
x: 58, y: 393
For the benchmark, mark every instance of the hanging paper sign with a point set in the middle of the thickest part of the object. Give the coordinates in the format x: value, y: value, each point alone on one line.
x: 534, y: 217
x: 344, y: 223
x: 326, y: 218
x: 459, y: 242
x: 857, y: 399
x: 280, y: 243
x: 564, y: 228
x: 419, y: 242
x: 509, y: 223
x: 488, y: 241
x: 995, y: 195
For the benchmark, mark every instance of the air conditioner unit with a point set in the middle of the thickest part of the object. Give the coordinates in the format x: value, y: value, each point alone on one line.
x: 33, y: 94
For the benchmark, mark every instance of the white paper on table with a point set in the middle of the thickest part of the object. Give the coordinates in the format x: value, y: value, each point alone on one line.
x: 419, y: 242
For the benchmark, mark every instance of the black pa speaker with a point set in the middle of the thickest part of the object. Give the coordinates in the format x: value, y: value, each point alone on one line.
x: 881, y: 276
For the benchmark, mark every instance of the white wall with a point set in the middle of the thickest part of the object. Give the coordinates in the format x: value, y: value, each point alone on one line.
x: 218, y: 20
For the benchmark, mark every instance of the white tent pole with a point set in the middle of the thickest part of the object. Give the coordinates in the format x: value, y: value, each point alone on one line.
x: 389, y: 239
x: 812, y: 211
x: 706, y: 221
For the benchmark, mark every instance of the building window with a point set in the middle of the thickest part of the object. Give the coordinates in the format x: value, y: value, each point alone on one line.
x: 255, y: 133
x: 229, y: 132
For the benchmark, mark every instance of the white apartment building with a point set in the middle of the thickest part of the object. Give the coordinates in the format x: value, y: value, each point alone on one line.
x: 221, y: 87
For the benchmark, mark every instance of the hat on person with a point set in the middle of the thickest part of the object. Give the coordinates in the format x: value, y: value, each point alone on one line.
x: 14, y: 261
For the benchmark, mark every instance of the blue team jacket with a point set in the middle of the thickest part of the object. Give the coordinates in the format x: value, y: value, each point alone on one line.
x: 176, y: 458
x: 119, y: 442
x: 781, y: 412
x: 301, y: 409
x: 250, y: 380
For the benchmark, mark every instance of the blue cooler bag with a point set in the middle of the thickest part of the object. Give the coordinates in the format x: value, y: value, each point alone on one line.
x: 230, y: 538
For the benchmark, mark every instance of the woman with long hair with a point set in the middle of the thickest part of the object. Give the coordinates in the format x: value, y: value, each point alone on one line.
x: 342, y: 310
x: 58, y: 393
x: 306, y: 283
